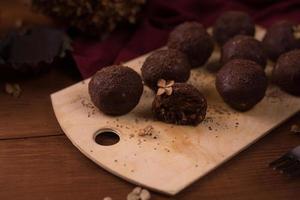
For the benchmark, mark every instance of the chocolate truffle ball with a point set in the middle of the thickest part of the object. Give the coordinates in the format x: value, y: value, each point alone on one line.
x: 232, y: 23
x: 192, y: 39
x: 116, y: 90
x: 286, y: 73
x: 244, y: 47
x: 281, y: 37
x: 179, y: 103
x: 241, y: 83
x: 165, y: 64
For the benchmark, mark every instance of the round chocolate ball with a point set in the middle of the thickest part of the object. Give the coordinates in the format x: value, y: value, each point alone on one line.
x: 116, y: 90
x: 182, y: 105
x: 192, y: 39
x: 244, y: 47
x: 232, y: 23
x: 286, y: 73
x: 281, y: 37
x: 241, y: 84
x: 165, y: 64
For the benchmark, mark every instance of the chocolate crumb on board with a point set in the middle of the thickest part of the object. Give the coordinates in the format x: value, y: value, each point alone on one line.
x: 295, y: 129
x: 139, y: 194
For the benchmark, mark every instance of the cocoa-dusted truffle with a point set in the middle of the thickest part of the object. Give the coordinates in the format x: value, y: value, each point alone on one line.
x: 281, y: 37
x: 244, y: 47
x: 116, y: 90
x: 232, y: 23
x: 241, y: 84
x: 165, y: 64
x: 286, y: 73
x: 192, y: 39
x: 179, y: 103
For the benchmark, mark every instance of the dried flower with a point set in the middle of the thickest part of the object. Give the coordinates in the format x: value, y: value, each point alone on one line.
x: 164, y: 87
x: 13, y: 89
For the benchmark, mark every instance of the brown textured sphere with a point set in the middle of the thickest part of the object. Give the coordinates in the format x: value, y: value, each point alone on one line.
x: 232, y: 23
x: 185, y: 106
x: 244, y: 47
x: 286, y: 73
x: 116, y: 90
x: 192, y: 39
x: 241, y: 84
x: 165, y: 64
x: 281, y: 37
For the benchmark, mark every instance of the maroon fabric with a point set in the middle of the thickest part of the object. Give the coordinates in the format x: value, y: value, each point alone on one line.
x: 160, y: 16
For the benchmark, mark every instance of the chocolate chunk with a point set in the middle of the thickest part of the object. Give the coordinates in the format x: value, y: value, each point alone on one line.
x: 281, y: 37
x: 185, y: 105
x: 232, y: 23
x: 192, y: 39
x: 244, y: 47
x: 116, y: 90
x: 165, y: 64
x: 286, y: 73
x: 241, y: 84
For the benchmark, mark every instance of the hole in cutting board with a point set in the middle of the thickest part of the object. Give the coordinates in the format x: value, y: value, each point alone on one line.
x: 106, y: 137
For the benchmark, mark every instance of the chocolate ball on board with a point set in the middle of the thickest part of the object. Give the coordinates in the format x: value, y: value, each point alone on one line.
x: 241, y: 84
x: 168, y: 64
x: 232, y: 23
x: 192, y: 39
x: 116, y: 89
x: 281, y: 37
x: 286, y: 73
x: 179, y: 103
x: 244, y: 47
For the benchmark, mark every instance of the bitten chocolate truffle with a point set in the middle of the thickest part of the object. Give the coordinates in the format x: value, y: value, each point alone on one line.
x: 179, y: 103
x: 241, y: 84
x: 116, y: 90
x: 281, y: 37
x: 286, y: 73
x: 192, y: 39
x: 165, y: 64
x: 232, y: 23
x: 244, y: 47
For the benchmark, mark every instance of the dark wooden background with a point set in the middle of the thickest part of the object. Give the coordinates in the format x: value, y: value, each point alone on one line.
x: 37, y: 161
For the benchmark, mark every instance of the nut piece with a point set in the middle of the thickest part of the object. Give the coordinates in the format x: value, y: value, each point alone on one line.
x: 107, y: 198
x: 13, y: 89
x: 139, y: 194
x: 295, y: 129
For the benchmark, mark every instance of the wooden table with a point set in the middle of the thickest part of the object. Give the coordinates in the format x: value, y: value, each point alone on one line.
x: 37, y: 161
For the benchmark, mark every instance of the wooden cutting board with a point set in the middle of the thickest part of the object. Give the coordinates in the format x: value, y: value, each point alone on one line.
x: 173, y: 157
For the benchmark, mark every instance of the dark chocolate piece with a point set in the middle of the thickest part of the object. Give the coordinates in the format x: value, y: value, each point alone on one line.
x: 179, y: 103
x: 116, y: 90
x: 281, y: 37
x: 241, y: 84
x: 244, y: 47
x: 286, y: 73
x: 165, y: 64
x: 232, y: 23
x: 192, y: 39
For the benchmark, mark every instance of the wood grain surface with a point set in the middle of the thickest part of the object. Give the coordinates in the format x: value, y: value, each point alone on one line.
x: 37, y: 161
